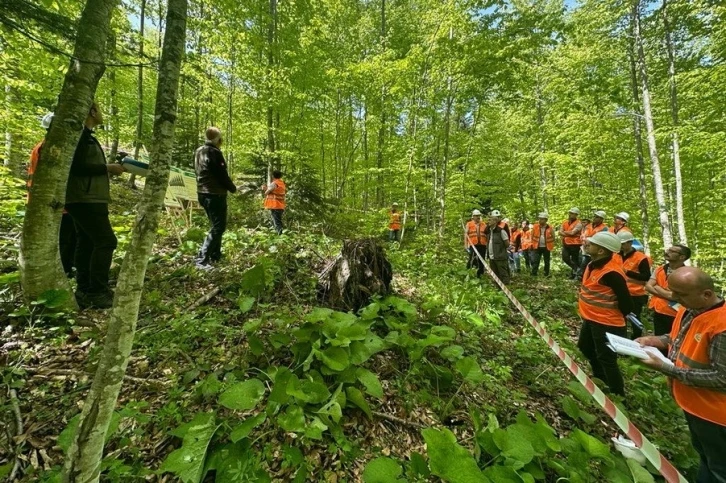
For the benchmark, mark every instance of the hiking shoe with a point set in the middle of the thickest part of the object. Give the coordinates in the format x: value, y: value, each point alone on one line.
x: 94, y: 300
x: 204, y: 266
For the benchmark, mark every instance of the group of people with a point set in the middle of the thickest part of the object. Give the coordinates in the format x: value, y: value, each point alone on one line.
x: 616, y: 283
x: 87, y: 241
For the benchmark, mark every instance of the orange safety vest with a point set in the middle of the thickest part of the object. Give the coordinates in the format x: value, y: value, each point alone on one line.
x: 515, y: 235
x: 526, y: 239
x: 591, y: 230
x: 568, y: 225
x: 475, y: 233
x: 275, y: 200
x: 549, y: 237
x: 597, y: 302
x: 694, y: 354
x: 614, y: 229
x: 635, y: 287
x: 659, y: 304
x: 395, y: 221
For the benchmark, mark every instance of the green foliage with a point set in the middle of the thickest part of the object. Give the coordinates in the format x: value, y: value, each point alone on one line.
x: 187, y: 462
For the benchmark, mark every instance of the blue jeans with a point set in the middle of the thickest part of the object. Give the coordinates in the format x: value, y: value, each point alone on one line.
x: 394, y: 235
x: 215, y: 206
x: 515, y: 262
x: 277, y: 220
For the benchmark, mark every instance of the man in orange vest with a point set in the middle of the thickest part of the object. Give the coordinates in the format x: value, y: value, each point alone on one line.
x: 543, y: 241
x: 570, y: 231
x: 697, y: 347
x: 603, y: 303
x: 67, y: 235
x: 636, y: 266
x: 621, y: 223
x: 526, y: 244
x: 662, y: 302
x: 515, y: 249
x: 597, y: 225
x: 475, y: 240
x: 394, y: 223
x: 275, y: 194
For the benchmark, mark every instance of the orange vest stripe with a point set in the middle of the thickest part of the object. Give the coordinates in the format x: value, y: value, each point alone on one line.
x: 597, y: 302
x: 694, y: 354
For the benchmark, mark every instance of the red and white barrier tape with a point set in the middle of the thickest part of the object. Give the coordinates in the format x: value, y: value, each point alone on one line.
x: 669, y: 472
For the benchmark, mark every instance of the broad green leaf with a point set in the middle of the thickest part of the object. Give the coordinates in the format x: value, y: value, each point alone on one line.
x: 292, y: 420
x: 370, y: 382
x: 593, y: 446
x: 243, y: 396
x: 356, y: 397
x: 245, y: 428
x: 187, y: 462
x: 470, y: 370
x: 502, y: 474
x: 640, y: 474
x: 315, y: 428
x: 336, y: 358
x: 449, y: 460
x: 245, y: 304
x: 307, y: 391
x: 452, y: 352
x: 252, y: 281
x: 382, y: 470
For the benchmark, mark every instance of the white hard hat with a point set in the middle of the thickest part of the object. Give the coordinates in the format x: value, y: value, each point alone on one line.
x: 476, y: 213
x: 600, y: 214
x: 45, y: 123
x: 607, y: 240
x: 623, y: 215
x: 495, y: 213
x: 625, y: 236
x: 506, y: 220
x: 543, y: 215
x: 575, y: 210
x: 394, y: 204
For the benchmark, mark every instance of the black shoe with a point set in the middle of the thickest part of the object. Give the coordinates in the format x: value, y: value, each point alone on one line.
x: 103, y: 300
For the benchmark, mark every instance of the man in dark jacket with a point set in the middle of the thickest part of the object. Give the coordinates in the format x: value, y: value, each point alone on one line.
x: 213, y: 183
x: 87, y: 198
x: 498, y: 246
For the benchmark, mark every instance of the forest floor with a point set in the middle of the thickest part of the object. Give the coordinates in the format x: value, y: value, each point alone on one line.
x: 190, y: 355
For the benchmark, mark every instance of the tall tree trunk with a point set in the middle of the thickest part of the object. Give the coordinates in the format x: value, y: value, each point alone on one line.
x: 83, y: 461
x: 366, y: 157
x: 447, y: 144
x: 271, y: 34
x: 680, y: 218
x: 7, y: 161
x: 650, y: 128
x: 114, y: 105
x: 40, y: 265
x: 541, y: 149
x: 139, y: 93
x: 382, y: 127
x: 638, y: 141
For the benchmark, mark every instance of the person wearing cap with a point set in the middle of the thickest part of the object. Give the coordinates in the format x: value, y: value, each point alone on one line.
x: 497, y: 234
x: 604, y: 301
x: 543, y: 241
x: 88, y: 194
x: 570, y: 231
x: 597, y: 225
x: 697, y: 378
x: 620, y: 223
x: 636, y: 266
x: 475, y: 242
x: 67, y: 234
x: 394, y: 223
x: 662, y: 302
x: 526, y: 244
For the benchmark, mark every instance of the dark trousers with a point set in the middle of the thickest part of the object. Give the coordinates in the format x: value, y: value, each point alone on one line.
x: 571, y: 257
x: 709, y: 440
x: 537, y: 254
x: 394, y: 235
x: 604, y: 362
x: 474, y: 260
x: 95, y: 245
x: 216, y: 208
x: 662, y: 323
x: 585, y: 259
x: 67, y: 243
x: 527, y: 255
x: 639, y: 302
x: 277, y: 220
x: 500, y: 269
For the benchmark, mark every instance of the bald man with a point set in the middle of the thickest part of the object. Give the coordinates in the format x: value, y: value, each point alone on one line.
x: 697, y: 347
x: 213, y: 183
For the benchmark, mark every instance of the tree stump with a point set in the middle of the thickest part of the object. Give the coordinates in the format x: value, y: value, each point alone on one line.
x: 360, y: 271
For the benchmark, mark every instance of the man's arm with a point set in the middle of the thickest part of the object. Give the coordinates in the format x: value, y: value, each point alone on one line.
x: 617, y: 283
x: 218, y: 167
x: 653, y: 288
x: 270, y: 188
x: 712, y: 377
x: 505, y: 238
x: 79, y: 166
x: 643, y: 273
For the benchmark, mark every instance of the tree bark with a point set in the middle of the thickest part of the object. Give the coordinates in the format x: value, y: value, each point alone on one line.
x: 638, y: 141
x: 680, y: 218
x: 540, y: 129
x: 7, y: 161
x: 39, y: 257
x: 83, y: 461
x: 139, y: 93
x: 114, y: 106
x: 650, y: 128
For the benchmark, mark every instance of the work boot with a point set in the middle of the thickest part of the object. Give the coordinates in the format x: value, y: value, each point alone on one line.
x: 103, y: 300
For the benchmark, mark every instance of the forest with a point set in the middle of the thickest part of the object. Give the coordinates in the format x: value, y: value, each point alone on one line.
x: 420, y: 371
